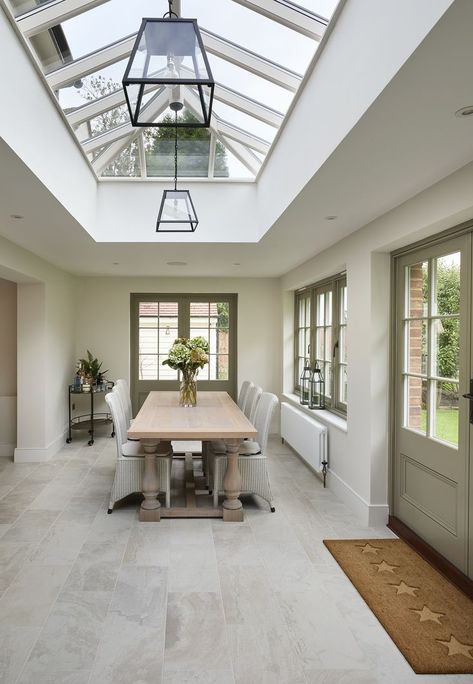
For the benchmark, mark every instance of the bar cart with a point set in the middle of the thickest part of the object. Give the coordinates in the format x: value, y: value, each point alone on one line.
x: 89, y: 421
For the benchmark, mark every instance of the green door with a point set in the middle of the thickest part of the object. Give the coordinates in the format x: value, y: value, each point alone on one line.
x: 432, y: 371
x: 158, y: 319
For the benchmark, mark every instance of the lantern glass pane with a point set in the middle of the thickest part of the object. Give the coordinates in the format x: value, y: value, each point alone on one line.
x: 169, y: 50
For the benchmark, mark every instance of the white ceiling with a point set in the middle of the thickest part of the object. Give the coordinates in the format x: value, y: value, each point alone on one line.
x: 406, y: 141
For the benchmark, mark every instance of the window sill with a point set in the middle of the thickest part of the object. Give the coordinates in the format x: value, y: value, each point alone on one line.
x: 325, y: 416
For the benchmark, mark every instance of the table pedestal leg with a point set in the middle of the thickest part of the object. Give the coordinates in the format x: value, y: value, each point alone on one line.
x: 150, y: 507
x: 232, y: 507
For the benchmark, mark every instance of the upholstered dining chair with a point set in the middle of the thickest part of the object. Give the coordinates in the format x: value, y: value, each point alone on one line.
x: 121, y: 386
x: 252, y: 457
x: 130, y: 459
x: 245, y: 386
x: 252, y: 401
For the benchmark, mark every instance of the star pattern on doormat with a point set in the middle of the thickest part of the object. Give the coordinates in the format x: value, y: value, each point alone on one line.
x: 367, y: 548
x: 426, y: 614
x: 385, y: 567
x: 455, y: 647
x: 403, y: 588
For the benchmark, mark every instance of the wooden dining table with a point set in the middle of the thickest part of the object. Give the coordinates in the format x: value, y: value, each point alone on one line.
x: 216, y: 416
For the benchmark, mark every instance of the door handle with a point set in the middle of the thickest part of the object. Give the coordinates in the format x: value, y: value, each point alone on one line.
x: 469, y: 396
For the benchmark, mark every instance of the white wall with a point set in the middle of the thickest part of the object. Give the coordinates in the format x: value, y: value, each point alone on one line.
x: 346, y: 80
x: 46, y: 358
x: 359, y: 451
x: 103, y: 318
x: 29, y: 114
x: 7, y: 367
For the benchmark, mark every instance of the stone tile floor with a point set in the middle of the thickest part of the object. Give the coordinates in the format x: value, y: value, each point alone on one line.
x: 88, y: 598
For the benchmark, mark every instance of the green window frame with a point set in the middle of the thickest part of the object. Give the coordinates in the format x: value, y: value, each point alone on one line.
x: 320, y: 337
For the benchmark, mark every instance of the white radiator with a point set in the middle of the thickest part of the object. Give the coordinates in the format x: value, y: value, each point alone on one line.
x: 305, y: 435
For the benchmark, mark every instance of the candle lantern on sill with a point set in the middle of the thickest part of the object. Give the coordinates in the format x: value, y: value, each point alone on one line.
x: 305, y: 383
x: 316, y: 389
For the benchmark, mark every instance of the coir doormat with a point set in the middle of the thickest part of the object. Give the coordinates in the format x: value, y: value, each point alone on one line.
x: 429, y: 619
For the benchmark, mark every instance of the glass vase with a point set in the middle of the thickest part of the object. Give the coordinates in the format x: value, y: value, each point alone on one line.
x: 188, y: 391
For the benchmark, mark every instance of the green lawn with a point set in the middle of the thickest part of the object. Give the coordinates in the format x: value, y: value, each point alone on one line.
x: 446, y: 424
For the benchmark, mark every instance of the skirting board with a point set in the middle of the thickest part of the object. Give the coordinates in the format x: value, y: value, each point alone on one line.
x: 372, y: 515
x: 32, y: 455
x: 7, y: 450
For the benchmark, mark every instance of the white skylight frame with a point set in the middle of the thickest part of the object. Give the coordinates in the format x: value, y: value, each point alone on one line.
x: 249, y: 149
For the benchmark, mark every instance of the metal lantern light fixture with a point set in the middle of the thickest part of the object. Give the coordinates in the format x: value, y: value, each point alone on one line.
x: 168, y: 57
x: 316, y: 389
x: 305, y: 383
x: 176, y: 213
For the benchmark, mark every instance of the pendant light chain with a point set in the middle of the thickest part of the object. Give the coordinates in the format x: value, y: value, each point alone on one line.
x: 170, y: 12
x: 175, y: 147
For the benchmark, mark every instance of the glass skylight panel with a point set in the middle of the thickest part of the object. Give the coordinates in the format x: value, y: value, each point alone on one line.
x: 324, y: 8
x: 228, y: 166
x: 108, y: 23
x: 247, y: 123
x: 249, y: 84
x: 126, y: 164
x: 92, y: 87
x: 108, y: 120
x: 20, y: 7
x: 252, y: 31
x: 193, y: 152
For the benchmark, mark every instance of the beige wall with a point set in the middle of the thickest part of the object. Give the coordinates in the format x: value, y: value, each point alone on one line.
x: 45, y: 349
x: 7, y: 367
x: 103, y: 321
x: 359, y: 450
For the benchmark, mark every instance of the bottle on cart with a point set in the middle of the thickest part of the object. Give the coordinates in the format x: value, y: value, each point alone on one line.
x: 77, y: 382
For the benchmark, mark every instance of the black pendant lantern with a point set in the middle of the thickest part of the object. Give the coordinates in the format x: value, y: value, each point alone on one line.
x: 305, y: 383
x: 176, y: 213
x: 169, y: 54
x: 316, y: 389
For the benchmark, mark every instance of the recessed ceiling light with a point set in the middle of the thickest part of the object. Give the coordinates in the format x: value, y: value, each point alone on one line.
x: 236, y: 263
x: 116, y: 263
x: 16, y: 216
x: 464, y: 111
x: 176, y: 263
x: 331, y: 218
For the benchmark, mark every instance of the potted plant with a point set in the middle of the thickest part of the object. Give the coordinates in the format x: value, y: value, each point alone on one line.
x: 90, y: 369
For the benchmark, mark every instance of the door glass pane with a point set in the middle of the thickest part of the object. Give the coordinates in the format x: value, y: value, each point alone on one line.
x: 211, y: 321
x: 416, y: 332
x: 417, y: 288
x: 447, y: 284
x: 416, y: 404
x: 157, y: 331
x: 222, y: 367
x: 328, y: 308
x: 148, y: 367
x: 446, y: 412
x: 446, y: 338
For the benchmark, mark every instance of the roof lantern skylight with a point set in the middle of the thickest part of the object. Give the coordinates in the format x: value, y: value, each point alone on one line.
x: 257, y: 51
